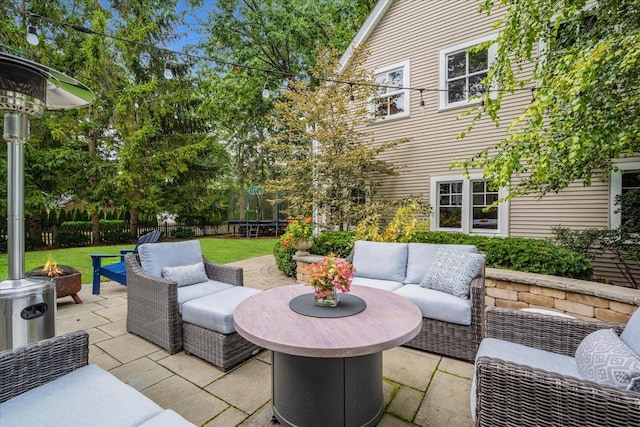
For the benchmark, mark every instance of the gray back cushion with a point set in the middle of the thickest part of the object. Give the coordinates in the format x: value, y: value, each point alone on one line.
x: 378, y: 260
x: 156, y: 256
x: 422, y: 255
x: 631, y: 334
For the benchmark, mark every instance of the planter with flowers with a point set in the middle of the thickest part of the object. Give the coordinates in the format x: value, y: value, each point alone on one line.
x: 328, y: 277
x: 299, y: 235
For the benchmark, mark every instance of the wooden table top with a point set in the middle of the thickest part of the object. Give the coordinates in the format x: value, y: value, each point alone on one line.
x: 266, y: 320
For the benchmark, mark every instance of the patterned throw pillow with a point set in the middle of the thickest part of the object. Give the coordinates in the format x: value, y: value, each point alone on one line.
x: 186, y: 275
x: 452, y: 272
x: 602, y: 357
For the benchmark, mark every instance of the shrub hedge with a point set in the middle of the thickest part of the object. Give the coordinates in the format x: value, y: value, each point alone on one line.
x: 284, y: 258
x: 519, y: 254
x: 511, y: 253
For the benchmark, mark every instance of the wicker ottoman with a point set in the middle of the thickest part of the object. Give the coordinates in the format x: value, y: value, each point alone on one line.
x: 208, y: 332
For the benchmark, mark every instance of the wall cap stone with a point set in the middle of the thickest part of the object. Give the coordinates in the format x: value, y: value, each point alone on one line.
x: 610, y: 292
x: 614, y: 293
x: 311, y: 259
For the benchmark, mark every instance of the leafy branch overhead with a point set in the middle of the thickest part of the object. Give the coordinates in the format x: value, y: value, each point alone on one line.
x: 586, y: 74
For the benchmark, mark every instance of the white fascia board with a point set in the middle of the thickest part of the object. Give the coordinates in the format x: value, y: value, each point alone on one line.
x: 365, y: 31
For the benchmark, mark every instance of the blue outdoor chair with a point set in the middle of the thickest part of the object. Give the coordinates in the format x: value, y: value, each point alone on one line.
x: 116, y: 271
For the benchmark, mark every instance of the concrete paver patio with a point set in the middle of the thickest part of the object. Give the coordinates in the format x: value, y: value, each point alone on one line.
x: 420, y: 388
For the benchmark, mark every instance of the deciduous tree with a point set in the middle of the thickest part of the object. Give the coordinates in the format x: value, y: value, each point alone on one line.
x: 587, y: 92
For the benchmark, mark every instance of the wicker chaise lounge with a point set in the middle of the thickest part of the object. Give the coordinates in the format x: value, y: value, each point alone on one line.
x: 526, y: 373
x: 196, y: 317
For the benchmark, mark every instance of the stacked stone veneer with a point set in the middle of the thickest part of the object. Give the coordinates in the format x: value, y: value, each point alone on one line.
x: 513, y: 289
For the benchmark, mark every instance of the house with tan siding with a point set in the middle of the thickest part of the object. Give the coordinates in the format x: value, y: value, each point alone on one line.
x: 425, y: 44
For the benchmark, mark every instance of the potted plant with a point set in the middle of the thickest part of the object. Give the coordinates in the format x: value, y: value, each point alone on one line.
x: 299, y: 235
x: 328, y: 277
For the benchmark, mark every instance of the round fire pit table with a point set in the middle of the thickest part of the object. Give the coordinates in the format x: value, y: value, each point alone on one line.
x: 327, y: 371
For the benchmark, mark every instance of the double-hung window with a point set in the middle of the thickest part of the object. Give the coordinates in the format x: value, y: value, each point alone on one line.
x: 462, y: 71
x: 625, y: 179
x: 462, y: 205
x: 392, y: 98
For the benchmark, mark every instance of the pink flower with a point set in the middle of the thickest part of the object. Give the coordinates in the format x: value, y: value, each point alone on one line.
x: 330, y: 273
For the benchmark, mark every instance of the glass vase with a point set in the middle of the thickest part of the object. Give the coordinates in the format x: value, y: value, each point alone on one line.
x: 326, y: 297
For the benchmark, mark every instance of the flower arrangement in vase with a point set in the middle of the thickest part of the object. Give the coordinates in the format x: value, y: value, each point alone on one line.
x: 328, y: 277
x: 299, y: 235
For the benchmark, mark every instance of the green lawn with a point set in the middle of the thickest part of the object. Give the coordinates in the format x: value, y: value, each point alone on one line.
x: 218, y: 250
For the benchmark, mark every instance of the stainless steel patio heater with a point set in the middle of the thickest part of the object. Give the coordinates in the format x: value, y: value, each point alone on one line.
x: 27, y: 305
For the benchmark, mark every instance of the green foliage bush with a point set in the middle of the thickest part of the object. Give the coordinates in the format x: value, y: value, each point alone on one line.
x: 67, y: 239
x: 519, y: 254
x: 284, y: 258
x: 183, y: 233
x: 511, y: 253
x: 336, y: 242
x: 115, y: 236
x: 105, y: 225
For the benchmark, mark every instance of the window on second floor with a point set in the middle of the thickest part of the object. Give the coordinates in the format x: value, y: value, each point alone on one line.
x: 391, y: 99
x: 462, y: 71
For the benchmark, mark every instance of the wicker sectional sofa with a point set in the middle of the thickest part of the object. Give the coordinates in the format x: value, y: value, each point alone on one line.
x: 50, y: 383
x: 451, y: 325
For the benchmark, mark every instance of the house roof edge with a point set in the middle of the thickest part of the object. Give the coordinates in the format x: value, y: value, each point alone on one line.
x: 365, y: 31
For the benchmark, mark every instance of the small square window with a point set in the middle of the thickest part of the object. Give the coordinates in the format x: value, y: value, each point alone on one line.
x: 392, y: 95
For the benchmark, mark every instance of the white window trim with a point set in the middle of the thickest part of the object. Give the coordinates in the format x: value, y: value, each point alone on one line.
x: 444, y: 105
x: 616, y: 189
x: 543, y: 44
x: 467, y: 197
x: 406, y: 77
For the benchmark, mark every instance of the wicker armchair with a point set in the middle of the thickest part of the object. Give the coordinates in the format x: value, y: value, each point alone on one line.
x: 33, y: 365
x: 153, y: 314
x: 511, y: 394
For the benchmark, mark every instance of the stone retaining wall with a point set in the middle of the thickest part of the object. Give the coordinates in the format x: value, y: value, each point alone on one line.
x: 514, y: 289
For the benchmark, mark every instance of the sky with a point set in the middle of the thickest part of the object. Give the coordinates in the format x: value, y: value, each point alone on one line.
x: 189, y: 33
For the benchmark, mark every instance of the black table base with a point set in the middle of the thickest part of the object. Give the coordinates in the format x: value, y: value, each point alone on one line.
x: 322, y: 392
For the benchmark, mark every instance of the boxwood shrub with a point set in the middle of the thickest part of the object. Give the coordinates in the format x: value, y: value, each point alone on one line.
x: 284, y: 258
x: 519, y: 254
x: 511, y: 253
x: 336, y: 242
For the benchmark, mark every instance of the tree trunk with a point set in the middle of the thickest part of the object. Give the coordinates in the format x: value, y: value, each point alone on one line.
x: 35, y: 230
x: 95, y: 227
x: 93, y: 182
x: 133, y: 222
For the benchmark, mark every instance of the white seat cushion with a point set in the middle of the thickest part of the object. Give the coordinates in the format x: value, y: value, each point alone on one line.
x: 379, y: 260
x: 385, y: 285
x: 438, y: 305
x: 523, y: 355
x: 215, y: 311
x: 631, y: 334
x: 199, y: 290
x: 167, y: 418
x: 156, y: 256
x: 102, y: 400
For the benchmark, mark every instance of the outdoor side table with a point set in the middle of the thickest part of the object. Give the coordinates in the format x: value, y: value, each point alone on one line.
x: 327, y: 371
